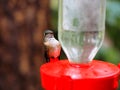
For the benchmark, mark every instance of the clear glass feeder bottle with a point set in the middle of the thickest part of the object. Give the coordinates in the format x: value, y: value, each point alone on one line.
x: 81, y: 28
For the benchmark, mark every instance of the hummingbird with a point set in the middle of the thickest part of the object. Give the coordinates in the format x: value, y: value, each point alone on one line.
x: 52, y: 46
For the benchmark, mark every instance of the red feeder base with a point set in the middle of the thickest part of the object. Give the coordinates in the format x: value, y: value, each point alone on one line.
x: 97, y: 75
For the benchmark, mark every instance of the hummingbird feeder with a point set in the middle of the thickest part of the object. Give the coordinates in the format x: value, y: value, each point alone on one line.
x: 81, y: 33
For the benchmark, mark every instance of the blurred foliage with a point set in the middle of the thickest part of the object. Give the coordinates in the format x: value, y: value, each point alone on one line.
x: 113, y: 22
